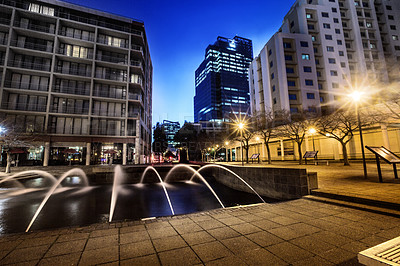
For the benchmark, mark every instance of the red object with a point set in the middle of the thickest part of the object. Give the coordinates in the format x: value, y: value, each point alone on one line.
x: 70, y: 151
x: 17, y: 151
x: 110, y: 151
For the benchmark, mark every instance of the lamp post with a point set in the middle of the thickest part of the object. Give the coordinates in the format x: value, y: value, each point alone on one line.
x: 258, y: 148
x: 226, y: 151
x: 312, y: 131
x: 240, y: 127
x: 356, y: 97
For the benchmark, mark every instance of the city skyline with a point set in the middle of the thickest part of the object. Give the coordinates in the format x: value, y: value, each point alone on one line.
x: 177, y: 52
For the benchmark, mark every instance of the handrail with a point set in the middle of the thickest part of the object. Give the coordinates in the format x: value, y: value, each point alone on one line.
x: 34, y: 27
x: 31, y: 45
x: 24, y: 107
x: 17, y: 85
x: 29, y: 65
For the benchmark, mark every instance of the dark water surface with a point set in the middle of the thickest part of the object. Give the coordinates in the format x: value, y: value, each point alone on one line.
x: 72, y: 206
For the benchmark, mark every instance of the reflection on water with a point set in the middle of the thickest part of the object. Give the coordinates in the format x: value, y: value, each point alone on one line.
x: 83, y: 206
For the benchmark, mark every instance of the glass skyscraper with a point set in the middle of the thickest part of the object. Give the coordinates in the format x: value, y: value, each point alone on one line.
x: 222, y: 87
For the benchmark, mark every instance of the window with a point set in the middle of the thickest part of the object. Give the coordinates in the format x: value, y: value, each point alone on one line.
x: 310, y: 26
x: 273, y: 88
x: 320, y: 86
x: 304, y: 44
x: 392, y: 27
x: 292, y: 97
x: 397, y: 48
x: 395, y: 37
x: 309, y: 82
x: 343, y: 64
x: 287, y: 45
x: 335, y: 85
x: 334, y: 73
x: 270, y: 52
x: 337, y: 31
x: 313, y: 38
x: 294, y: 109
x: 330, y: 49
x: 341, y: 53
x: 334, y: 10
x: 369, y: 25
x: 325, y: 15
x: 272, y: 76
x: 271, y: 64
x: 292, y: 24
x: 332, y: 60
x: 328, y: 37
x: 305, y: 56
x: 390, y: 17
x: 288, y: 57
x: 372, y: 45
x: 312, y: 109
x: 290, y: 70
x: 339, y: 42
x: 310, y: 96
x: 307, y: 69
x: 336, y: 20
x: 321, y: 99
x: 327, y: 26
x: 274, y: 100
x: 317, y: 61
x: 291, y: 83
x: 389, y: 7
x: 309, y: 16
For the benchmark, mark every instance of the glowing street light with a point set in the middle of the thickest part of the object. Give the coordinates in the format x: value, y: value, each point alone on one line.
x: 312, y: 131
x: 356, y: 97
x: 226, y: 142
x: 241, y: 126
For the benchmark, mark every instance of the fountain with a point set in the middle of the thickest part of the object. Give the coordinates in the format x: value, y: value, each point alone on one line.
x: 136, y: 198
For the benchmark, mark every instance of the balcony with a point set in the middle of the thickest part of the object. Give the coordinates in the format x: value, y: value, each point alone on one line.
x: 135, y: 96
x: 29, y: 65
x: 109, y: 94
x: 26, y: 86
x: 133, y: 114
x: 32, y: 46
x: 109, y: 113
x: 65, y: 33
x: 34, y: 27
x: 23, y: 107
x: 71, y: 90
x: 70, y: 110
x: 3, y: 41
x: 106, y: 42
x: 112, y: 59
x: 82, y: 55
x: 5, y: 21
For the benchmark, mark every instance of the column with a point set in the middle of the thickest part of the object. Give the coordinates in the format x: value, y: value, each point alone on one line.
x: 385, y: 136
x: 88, y: 152
x: 124, y: 154
x: 46, y: 154
x: 282, y: 151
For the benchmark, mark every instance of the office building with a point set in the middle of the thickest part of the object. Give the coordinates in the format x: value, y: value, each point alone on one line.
x: 170, y: 129
x: 323, y: 49
x: 222, y: 87
x: 76, y: 79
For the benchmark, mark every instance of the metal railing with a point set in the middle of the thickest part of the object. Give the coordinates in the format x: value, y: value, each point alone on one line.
x: 24, y: 107
x: 29, y: 65
x: 109, y: 114
x: 136, y: 63
x: 71, y: 90
x: 137, y: 47
x: 133, y: 114
x: 121, y: 45
x: 34, y: 27
x: 5, y: 21
x: 70, y: 110
x: 3, y: 41
x: 112, y: 59
x: 89, y: 38
x: 32, y: 46
x: 108, y: 94
x: 63, y: 51
x: 134, y: 96
x: 112, y: 77
x: 26, y: 86
x: 76, y: 72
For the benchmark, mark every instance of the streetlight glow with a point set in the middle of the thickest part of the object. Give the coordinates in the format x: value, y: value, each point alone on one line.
x: 240, y: 125
x: 257, y: 138
x: 312, y: 130
x: 356, y: 95
x: 226, y: 143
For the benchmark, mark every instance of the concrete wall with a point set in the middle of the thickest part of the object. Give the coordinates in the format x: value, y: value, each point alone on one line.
x: 277, y: 183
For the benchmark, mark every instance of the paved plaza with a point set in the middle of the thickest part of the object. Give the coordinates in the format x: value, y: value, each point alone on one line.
x: 297, y: 232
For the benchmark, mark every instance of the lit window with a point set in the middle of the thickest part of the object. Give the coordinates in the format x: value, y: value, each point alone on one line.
x: 330, y: 49
x: 305, y: 57
x: 332, y: 60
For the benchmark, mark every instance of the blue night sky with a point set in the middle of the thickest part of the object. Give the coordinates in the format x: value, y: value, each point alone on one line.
x: 178, y: 33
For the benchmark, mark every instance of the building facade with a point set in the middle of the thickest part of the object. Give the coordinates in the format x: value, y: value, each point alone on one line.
x: 222, y: 87
x: 76, y: 79
x: 323, y: 49
x: 170, y: 129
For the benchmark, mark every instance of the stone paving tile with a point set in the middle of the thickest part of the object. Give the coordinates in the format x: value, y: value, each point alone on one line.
x: 139, y: 249
x: 265, y: 224
x: 355, y: 247
x: 6, y: 246
x: 101, y: 255
x: 332, y: 238
x: 210, y: 224
x: 283, y: 220
x: 245, y: 228
x: 289, y: 252
x: 25, y: 263
x: 74, y: 236
x: 230, y: 260
x: 337, y: 255
x: 32, y: 242
x: 223, y: 233
x: 162, y: 232
x: 211, y: 251
x: 350, y: 232
x: 25, y: 254
x: 264, y: 239
x: 303, y: 228
x: 182, y: 256
x: 67, y: 259
x: 107, y: 232
x: 231, y: 221
x: 312, y: 261
x: 139, y: 261
x: 285, y: 233
x: 373, y: 240
x: 187, y: 228
x: 198, y: 238
x: 66, y: 248
x: 134, y: 228
x: 134, y: 237
x: 312, y: 244
x: 261, y: 257
x: 168, y: 243
x: 101, y: 242
x: 239, y: 244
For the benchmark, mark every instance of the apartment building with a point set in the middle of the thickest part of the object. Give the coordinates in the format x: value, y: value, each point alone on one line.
x: 76, y: 79
x: 222, y: 84
x: 352, y: 42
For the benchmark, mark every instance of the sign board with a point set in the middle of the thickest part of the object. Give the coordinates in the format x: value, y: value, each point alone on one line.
x: 385, y: 154
x: 310, y: 154
x: 255, y: 156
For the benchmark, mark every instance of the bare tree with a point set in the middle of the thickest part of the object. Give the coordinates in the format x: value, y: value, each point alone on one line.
x: 243, y: 135
x: 265, y: 126
x: 341, y: 126
x: 294, y: 127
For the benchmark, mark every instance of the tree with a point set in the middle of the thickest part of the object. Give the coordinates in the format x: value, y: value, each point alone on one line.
x: 265, y: 126
x: 341, y: 126
x: 244, y: 134
x: 160, y: 143
x: 294, y: 127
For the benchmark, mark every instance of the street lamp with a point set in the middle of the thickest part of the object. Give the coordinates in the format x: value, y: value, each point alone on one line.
x: 312, y: 131
x: 240, y: 126
x: 356, y: 97
x: 258, y: 149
